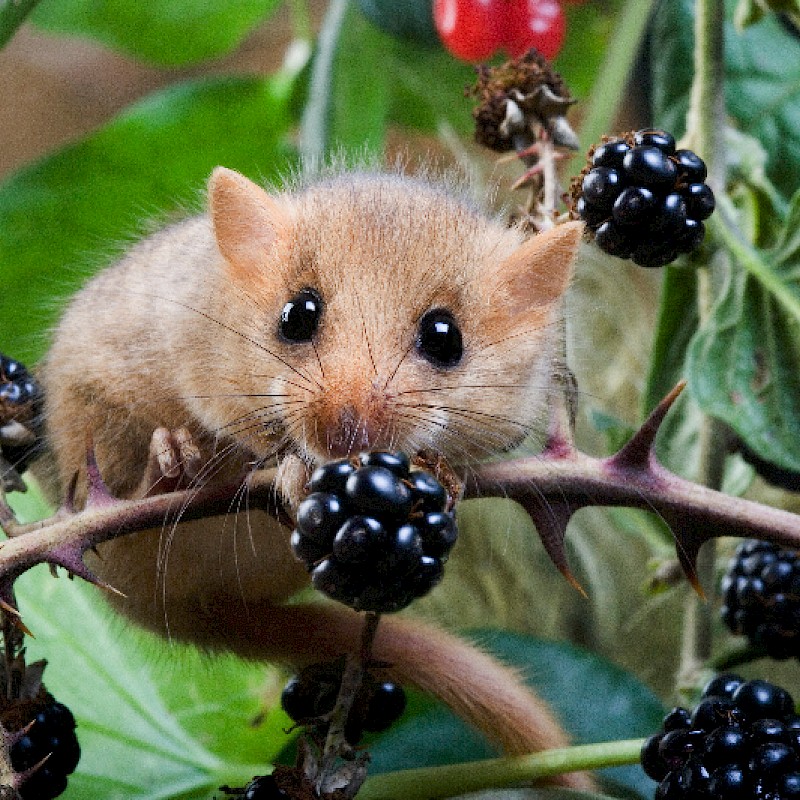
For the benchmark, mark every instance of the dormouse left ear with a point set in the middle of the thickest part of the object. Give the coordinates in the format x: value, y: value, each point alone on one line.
x: 249, y: 224
x: 538, y: 273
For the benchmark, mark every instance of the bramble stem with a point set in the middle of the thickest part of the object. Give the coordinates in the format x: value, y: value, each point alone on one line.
x: 706, y: 118
x: 352, y: 677
x: 458, y: 779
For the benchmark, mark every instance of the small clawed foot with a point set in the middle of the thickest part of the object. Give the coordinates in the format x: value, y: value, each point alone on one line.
x: 293, y: 474
x: 172, y: 462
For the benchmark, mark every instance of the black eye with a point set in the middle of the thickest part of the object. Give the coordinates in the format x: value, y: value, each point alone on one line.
x: 439, y: 339
x: 300, y: 316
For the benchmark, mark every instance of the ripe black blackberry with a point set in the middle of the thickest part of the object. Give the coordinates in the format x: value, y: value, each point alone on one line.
x: 263, y: 788
x: 51, y: 735
x: 373, y: 533
x: 643, y: 199
x: 310, y: 696
x: 20, y: 401
x: 741, y: 742
x: 761, y: 597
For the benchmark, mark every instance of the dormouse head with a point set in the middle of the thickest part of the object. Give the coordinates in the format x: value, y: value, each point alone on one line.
x: 384, y: 311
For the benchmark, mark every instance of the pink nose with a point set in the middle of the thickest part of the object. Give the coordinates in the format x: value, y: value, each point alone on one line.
x: 351, y: 434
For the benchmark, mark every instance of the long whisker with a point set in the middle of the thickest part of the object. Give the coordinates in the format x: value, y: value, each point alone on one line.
x: 470, y: 412
x: 275, y: 410
x: 526, y: 332
x: 233, y: 394
x: 246, y: 338
x: 366, y: 335
x: 465, y: 386
x: 398, y: 365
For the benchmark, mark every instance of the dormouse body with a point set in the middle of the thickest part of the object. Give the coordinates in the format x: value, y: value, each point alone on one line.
x: 364, y: 311
x: 357, y: 312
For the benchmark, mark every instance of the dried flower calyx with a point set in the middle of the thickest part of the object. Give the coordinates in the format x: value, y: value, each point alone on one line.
x: 515, y: 98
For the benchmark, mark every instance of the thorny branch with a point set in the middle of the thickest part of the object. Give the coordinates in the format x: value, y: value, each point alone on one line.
x: 551, y: 486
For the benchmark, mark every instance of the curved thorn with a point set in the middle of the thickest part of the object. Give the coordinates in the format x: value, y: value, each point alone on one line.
x: 72, y: 560
x: 16, y: 618
x: 636, y: 453
x: 98, y: 493
x: 9, y: 609
x: 551, y: 525
x: 687, y: 547
x: 20, y: 777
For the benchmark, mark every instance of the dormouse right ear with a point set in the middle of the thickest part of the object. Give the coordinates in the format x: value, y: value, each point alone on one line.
x: 538, y: 273
x: 248, y: 223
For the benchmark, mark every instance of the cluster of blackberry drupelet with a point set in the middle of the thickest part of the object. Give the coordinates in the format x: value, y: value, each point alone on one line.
x: 310, y: 696
x: 644, y: 199
x: 742, y: 742
x: 373, y: 533
x: 51, y: 737
x: 761, y: 597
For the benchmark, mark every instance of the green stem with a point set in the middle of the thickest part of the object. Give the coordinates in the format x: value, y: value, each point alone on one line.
x: 706, y: 118
x: 455, y: 779
x: 611, y: 82
x: 705, y: 131
x: 12, y: 15
x: 315, y: 122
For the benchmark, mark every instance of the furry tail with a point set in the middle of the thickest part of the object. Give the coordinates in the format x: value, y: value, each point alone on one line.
x: 479, y: 689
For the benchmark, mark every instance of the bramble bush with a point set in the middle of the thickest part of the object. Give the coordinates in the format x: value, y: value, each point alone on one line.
x: 157, y: 720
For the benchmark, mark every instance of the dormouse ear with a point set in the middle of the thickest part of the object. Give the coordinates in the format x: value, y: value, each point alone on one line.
x: 248, y: 223
x: 538, y: 273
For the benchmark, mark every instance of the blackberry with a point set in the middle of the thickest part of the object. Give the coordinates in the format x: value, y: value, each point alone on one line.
x: 373, y: 533
x: 309, y: 696
x: 263, y: 788
x: 736, y: 745
x: 51, y: 736
x: 312, y: 693
x: 761, y: 597
x: 386, y: 705
x: 642, y: 199
x: 20, y: 401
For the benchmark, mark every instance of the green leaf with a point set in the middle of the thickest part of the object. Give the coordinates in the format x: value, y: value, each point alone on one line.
x: 590, y: 27
x: 569, y: 678
x: 360, y: 88
x: 12, y: 14
x: 787, y: 246
x: 762, y: 88
x: 406, y: 19
x: 391, y: 81
x: 165, y: 32
x: 745, y: 363
x: 60, y: 218
x: 154, y: 720
x: 428, y: 89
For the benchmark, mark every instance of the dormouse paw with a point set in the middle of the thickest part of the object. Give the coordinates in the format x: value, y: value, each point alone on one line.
x: 291, y: 479
x: 173, y: 461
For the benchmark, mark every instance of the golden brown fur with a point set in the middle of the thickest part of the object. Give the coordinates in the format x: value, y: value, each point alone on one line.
x: 182, y: 333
